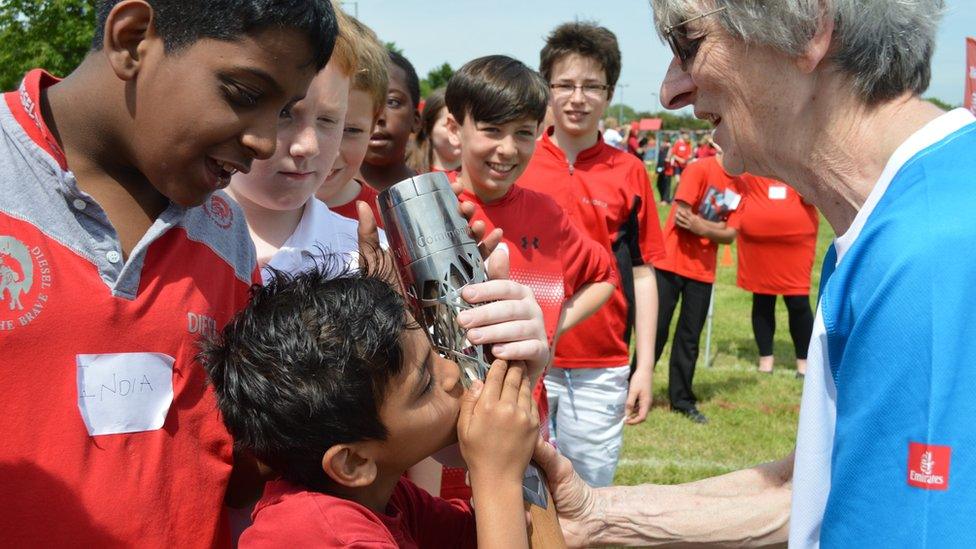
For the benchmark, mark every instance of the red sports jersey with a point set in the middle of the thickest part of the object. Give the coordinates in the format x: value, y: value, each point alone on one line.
x: 548, y: 254
x: 715, y: 196
x: 777, y: 239
x: 546, y: 251
x: 607, y: 195
x: 291, y: 516
x: 368, y: 195
x: 111, y: 436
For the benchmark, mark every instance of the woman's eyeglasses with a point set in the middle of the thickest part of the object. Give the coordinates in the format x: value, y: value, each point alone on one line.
x: 684, y: 50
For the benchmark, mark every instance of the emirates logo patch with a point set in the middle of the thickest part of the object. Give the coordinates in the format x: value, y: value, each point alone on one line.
x: 928, y: 466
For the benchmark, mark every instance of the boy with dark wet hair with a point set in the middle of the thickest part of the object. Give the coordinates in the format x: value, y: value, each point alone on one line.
x: 329, y: 381
x: 119, y: 254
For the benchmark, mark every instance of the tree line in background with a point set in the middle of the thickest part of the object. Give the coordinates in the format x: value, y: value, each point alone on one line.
x: 57, y: 34
x: 53, y: 34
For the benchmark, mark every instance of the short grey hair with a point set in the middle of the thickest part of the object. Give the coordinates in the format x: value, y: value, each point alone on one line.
x: 884, y: 46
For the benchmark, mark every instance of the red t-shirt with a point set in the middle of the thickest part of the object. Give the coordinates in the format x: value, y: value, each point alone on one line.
x: 288, y: 515
x: 682, y: 152
x: 546, y: 251
x: 607, y: 195
x: 715, y: 196
x: 111, y: 435
x: 706, y: 151
x: 777, y: 238
x: 368, y: 195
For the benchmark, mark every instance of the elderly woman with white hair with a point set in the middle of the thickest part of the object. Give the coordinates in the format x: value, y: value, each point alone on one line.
x: 825, y: 94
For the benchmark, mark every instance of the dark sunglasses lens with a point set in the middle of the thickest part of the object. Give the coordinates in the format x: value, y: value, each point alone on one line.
x: 676, y: 49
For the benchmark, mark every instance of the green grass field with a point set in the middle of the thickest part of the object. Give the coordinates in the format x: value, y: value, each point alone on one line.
x: 752, y: 416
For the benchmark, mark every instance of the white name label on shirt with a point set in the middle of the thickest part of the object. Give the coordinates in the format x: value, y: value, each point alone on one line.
x: 124, y: 392
x: 777, y: 192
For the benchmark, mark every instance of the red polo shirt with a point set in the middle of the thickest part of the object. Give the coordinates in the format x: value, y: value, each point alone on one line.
x: 111, y: 436
x: 291, y: 516
x: 607, y: 195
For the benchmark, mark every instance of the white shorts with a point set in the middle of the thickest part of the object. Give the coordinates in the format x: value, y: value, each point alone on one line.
x: 586, y: 417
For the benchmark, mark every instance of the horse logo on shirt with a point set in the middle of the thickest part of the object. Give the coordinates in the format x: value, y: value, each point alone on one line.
x: 16, y: 272
x: 220, y: 211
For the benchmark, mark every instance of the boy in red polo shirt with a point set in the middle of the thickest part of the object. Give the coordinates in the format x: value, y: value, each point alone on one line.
x: 607, y: 195
x: 120, y: 257
x: 705, y: 214
x: 497, y: 104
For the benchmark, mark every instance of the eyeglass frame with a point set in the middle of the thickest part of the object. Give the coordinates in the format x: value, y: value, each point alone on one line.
x: 559, y: 88
x: 677, y: 49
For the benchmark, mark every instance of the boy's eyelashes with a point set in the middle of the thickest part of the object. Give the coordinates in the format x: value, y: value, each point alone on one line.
x: 240, y: 94
x: 353, y: 130
x: 394, y: 102
x: 427, y: 375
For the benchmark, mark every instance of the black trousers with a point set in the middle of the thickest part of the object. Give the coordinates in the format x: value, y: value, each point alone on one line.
x: 664, y: 186
x: 694, y: 297
x: 764, y: 322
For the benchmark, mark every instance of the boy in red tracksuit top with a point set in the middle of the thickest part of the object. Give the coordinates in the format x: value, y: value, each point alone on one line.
x: 607, y: 194
x: 496, y: 105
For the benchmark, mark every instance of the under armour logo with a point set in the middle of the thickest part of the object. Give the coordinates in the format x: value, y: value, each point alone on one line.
x: 525, y: 242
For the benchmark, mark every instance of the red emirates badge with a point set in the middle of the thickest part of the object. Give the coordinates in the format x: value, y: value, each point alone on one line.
x: 928, y: 466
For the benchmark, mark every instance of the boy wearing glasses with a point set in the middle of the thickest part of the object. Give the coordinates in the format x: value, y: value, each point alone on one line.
x: 607, y: 194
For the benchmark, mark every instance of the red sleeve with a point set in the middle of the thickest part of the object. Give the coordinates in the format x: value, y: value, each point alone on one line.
x: 692, y: 182
x: 650, y: 242
x: 435, y: 522
x: 584, y: 260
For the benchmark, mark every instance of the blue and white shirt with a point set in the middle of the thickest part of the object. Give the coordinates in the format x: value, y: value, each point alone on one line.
x: 886, y: 449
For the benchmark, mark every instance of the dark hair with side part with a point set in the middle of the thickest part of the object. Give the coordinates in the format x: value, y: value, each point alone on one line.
x: 496, y: 89
x: 306, y: 364
x: 413, y: 82
x: 584, y: 39
x: 180, y: 23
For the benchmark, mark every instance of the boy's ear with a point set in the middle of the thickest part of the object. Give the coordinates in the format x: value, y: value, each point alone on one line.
x: 453, y: 130
x: 127, y: 27
x: 349, y: 465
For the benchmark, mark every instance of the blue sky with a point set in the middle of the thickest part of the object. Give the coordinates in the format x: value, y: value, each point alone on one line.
x: 434, y: 31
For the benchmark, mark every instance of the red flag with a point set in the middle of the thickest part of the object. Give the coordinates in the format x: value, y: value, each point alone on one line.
x: 969, y: 101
